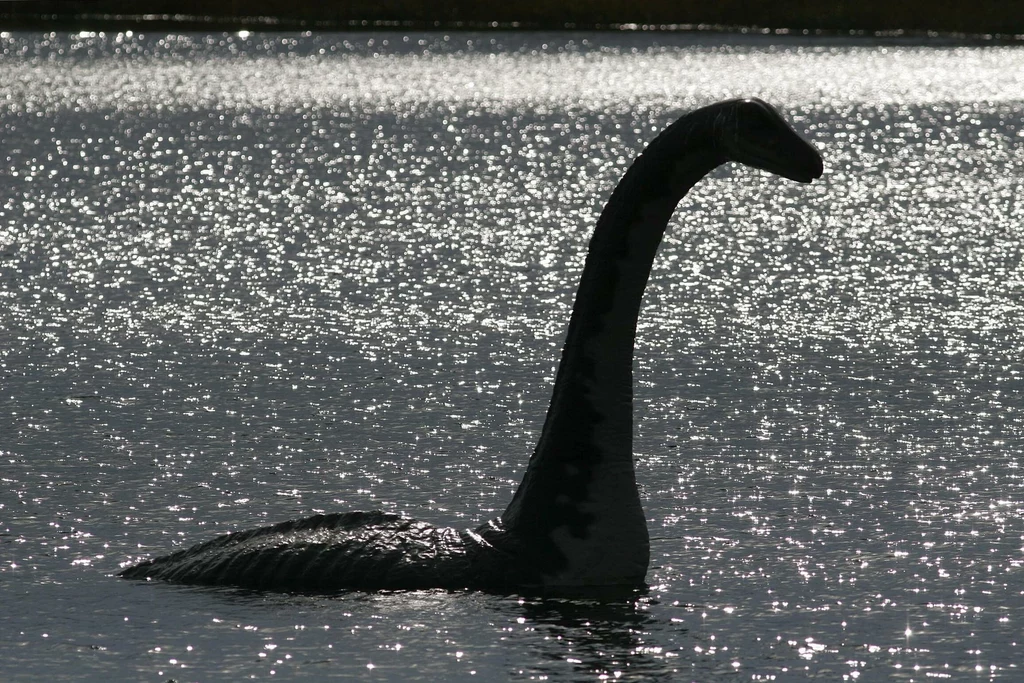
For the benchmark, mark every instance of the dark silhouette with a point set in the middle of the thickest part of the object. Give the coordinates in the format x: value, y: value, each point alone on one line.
x: 576, y: 523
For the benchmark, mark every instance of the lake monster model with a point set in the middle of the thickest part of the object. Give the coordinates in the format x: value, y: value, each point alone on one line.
x: 576, y: 523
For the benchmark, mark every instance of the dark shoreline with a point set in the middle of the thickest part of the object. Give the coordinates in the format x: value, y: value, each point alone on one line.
x: 982, y: 21
x: 112, y: 24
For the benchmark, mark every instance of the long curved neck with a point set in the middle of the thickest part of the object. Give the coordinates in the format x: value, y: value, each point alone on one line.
x: 584, y: 459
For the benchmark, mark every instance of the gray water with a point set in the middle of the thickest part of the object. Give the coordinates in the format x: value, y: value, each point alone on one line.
x: 252, y: 277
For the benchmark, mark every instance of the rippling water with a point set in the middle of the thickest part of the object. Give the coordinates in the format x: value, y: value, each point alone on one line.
x: 251, y: 277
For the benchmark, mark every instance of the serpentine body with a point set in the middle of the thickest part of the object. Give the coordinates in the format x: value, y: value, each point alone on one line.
x: 576, y: 521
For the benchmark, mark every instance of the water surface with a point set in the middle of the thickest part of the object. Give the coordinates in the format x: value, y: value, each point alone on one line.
x: 252, y: 277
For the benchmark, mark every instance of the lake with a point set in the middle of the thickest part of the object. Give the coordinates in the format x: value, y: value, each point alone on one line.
x: 251, y: 277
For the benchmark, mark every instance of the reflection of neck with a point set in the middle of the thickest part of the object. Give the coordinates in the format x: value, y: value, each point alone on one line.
x: 583, y: 464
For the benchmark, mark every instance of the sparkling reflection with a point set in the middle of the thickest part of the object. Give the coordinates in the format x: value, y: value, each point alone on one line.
x: 250, y: 277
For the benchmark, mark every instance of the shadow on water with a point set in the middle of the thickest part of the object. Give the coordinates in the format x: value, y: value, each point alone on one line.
x: 597, y: 637
x: 607, y: 636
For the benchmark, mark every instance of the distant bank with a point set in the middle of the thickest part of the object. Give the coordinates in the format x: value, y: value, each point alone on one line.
x: 994, y: 18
